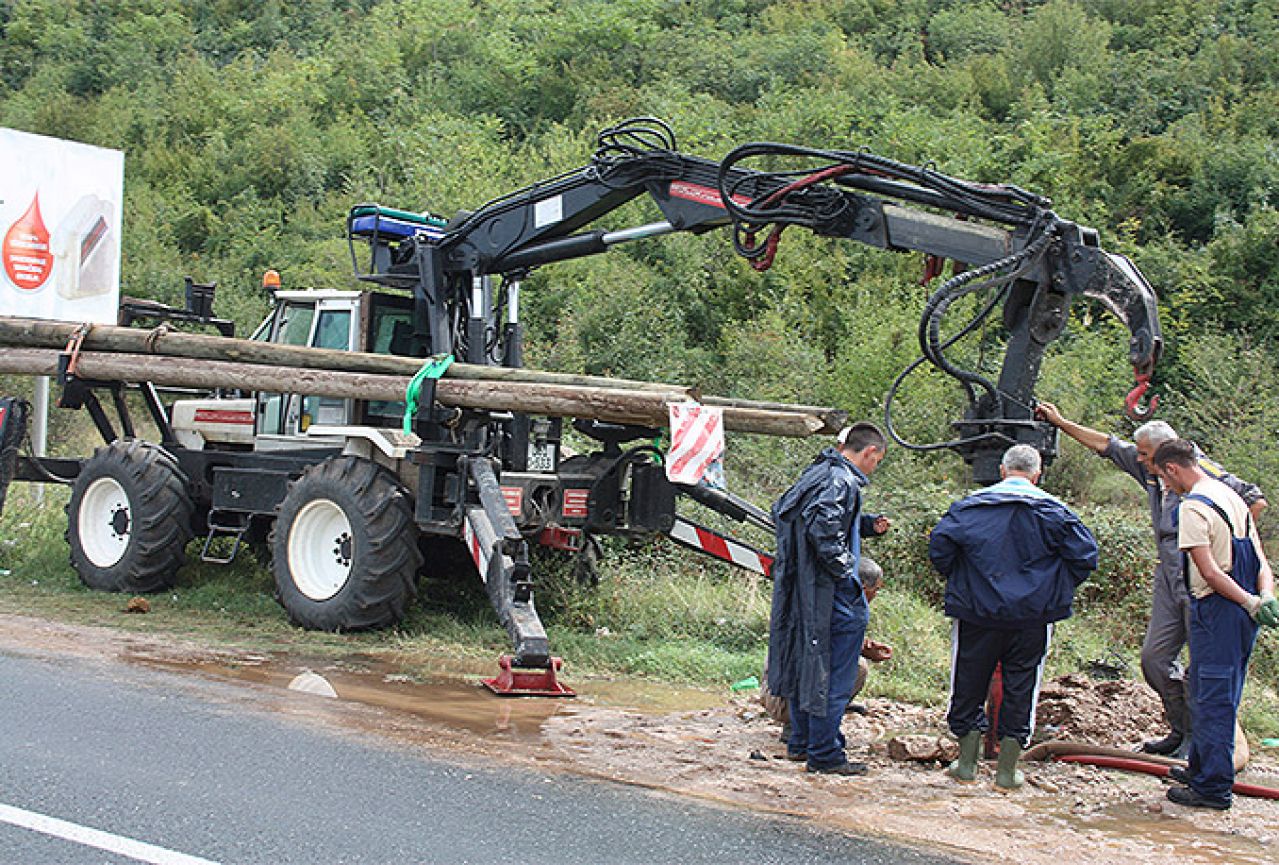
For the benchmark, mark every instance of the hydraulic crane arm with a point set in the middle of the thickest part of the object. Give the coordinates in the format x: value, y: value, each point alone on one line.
x: 1008, y: 241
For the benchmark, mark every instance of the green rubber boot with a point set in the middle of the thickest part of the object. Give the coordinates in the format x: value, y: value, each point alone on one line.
x: 1007, y: 775
x: 965, y: 768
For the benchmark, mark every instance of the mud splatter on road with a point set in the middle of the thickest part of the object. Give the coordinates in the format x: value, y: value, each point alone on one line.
x: 724, y: 748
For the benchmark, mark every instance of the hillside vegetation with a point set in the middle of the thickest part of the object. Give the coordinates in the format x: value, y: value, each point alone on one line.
x: 250, y: 129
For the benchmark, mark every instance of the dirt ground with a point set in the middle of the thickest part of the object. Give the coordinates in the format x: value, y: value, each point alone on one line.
x: 726, y: 749
x: 1066, y: 813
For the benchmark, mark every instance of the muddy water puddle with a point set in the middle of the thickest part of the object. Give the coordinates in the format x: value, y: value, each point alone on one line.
x: 454, y: 702
x: 1123, y: 826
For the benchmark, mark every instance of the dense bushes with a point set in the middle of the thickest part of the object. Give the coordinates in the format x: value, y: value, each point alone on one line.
x: 249, y: 129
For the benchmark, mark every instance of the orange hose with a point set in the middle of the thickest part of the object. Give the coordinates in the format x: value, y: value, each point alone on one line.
x: 1059, y: 747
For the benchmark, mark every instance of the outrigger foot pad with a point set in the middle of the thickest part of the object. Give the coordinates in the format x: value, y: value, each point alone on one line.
x: 515, y: 681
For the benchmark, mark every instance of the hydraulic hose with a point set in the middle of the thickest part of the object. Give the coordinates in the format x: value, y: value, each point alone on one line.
x: 1117, y: 758
x: 930, y: 341
x: 1063, y: 748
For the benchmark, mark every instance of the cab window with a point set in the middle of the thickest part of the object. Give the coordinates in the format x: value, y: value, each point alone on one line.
x: 295, y: 324
x: 334, y: 329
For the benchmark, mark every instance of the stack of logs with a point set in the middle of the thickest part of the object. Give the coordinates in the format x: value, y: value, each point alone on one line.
x: 171, y: 358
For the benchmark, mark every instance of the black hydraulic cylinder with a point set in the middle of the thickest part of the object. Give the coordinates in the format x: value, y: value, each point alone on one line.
x: 577, y: 246
x: 728, y: 504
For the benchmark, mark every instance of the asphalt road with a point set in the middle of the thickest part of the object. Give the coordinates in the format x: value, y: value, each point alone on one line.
x: 107, y: 763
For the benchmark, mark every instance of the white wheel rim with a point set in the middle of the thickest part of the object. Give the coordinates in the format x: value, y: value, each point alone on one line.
x: 321, y: 550
x: 105, y: 522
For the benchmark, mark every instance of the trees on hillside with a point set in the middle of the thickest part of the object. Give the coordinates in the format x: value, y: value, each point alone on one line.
x: 250, y: 128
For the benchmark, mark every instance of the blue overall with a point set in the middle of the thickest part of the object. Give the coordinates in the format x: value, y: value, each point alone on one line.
x: 1221, y: 640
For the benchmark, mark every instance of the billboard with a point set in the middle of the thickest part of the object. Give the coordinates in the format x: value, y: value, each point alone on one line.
x: 61, y: 206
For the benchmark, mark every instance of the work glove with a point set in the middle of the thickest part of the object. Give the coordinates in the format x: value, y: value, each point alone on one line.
x: 1252, y: 605
x: 1268, y: 610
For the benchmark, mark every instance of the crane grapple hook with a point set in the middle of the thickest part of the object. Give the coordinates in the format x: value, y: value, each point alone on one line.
x: 1131, y: 407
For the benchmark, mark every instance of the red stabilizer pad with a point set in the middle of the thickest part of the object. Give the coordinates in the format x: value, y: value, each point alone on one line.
x: 528, y: 681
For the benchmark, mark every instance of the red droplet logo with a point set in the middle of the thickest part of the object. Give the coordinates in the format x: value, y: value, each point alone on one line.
x: 27, y: 259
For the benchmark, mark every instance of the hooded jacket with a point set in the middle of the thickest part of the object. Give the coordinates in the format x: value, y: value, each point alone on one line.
x: 816, y: 549
x: 1012, y: 556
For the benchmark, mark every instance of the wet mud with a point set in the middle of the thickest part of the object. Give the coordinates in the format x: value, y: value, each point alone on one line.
x: 719, y: 747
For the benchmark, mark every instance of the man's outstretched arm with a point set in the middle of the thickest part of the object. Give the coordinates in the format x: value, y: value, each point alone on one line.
x: 1086, y: 436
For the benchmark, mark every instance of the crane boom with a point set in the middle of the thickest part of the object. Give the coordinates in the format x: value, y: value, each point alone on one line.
x: 1006, y: 242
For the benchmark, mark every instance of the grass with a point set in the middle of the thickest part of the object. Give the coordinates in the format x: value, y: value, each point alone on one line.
x: 658, y: 613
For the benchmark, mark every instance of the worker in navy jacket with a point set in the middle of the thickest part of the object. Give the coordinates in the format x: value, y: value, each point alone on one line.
x: 1012, y: 556
x: 819, y: 612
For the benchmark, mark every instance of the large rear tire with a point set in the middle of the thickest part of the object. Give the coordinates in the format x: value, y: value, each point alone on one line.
x: 345, y: 548
x: 129, y: 518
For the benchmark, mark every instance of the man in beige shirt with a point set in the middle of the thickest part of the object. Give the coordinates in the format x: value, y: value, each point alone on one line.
x: 1169, y: 604
x: 1231, y: 591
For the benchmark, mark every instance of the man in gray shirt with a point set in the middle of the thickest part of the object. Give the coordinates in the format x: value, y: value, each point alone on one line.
x: 1170, y: 610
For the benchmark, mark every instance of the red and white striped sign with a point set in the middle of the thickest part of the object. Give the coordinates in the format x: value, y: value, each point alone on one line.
x: 476, y: 548
x: 697, y: 440
x: 514, y: 500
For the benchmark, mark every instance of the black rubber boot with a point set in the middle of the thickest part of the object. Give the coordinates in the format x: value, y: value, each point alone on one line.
x: 1164, y: 746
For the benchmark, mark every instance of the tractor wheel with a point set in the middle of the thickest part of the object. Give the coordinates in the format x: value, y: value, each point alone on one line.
x: 344, y: 549
x: 129, y: 518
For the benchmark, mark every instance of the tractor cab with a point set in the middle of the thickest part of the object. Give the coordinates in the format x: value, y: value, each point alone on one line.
x: 362, y: 321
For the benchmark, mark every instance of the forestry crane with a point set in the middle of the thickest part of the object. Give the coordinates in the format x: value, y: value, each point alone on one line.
x: 356, y: 491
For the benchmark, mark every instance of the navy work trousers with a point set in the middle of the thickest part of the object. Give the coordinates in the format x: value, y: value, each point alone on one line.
x: 821, y: 737
x: 976, y: 650
x: 1221, y: 639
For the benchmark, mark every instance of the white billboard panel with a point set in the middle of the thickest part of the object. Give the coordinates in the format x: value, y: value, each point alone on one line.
x: 61, y: 206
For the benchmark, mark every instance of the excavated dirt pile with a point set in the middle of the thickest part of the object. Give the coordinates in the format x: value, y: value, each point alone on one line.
x: 1105, y: 712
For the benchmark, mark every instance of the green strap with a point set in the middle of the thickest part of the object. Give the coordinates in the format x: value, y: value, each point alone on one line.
x: 433, y: 368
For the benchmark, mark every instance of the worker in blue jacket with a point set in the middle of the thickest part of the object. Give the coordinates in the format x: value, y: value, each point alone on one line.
x: 819, y: 612
x: 1012, y: 556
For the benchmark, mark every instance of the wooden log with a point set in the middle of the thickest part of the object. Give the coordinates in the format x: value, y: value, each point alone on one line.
x: 832, y: 419
x: 614, y: 405
x: 789, y: 424
x: 169, y: 342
